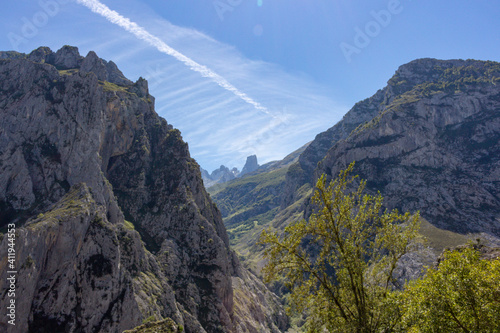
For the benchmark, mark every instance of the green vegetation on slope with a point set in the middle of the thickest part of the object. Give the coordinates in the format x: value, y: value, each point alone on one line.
x: 108, y: 86
x: 68, y: 71
x: 249, y: 202
x: 451, y: 79
x: 339, y: 265
x: 439, y: 239
x: 163, y: 326
x: 461, y: 295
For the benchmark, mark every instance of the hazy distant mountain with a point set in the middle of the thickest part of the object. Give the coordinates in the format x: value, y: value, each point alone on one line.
x: 253, y: 199
x: 223, y: 174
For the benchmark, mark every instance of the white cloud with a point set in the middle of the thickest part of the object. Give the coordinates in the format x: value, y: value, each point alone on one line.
x: 138, y: 31
x: 219, y: 125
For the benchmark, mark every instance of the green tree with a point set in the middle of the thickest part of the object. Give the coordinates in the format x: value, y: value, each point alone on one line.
x: 461, y: 295
x: 339, y: 264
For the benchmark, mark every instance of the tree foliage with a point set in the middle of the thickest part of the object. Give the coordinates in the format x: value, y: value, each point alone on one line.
x: 461, y: 295
x: 339, y: 264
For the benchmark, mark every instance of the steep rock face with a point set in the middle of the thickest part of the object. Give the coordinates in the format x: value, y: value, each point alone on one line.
x: 418, y: 72
x: 435, y: 147
x: 267, y: 313
x: 70, y: 273
x: 302, y: 172
x: 114, y: 224
x: 250, y: 165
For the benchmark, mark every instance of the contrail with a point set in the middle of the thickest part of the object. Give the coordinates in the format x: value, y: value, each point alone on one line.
x: 141, y: 33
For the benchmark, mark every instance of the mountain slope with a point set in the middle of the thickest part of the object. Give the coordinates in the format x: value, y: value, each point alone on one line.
x: 428, y: 141
x: 436, y: 147
x: 252, y: 201
x: 113, y: 223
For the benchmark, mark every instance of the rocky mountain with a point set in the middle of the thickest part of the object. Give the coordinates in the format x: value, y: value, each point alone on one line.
x: 218, y: 176
x: 434, y: 146
x: 113, y: 226
x: 302, y: 172
x: 250, y: 165
x: 223, y: 174
x: 428, y: 141
x: 254, y: 197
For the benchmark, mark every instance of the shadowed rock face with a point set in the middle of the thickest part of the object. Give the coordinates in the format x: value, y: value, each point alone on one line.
x: 113, y: 222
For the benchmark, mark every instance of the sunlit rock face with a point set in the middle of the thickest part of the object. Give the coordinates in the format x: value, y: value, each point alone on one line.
x: 434, y: 144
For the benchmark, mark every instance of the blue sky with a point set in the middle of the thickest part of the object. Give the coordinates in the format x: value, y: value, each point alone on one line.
x: 242, y: 77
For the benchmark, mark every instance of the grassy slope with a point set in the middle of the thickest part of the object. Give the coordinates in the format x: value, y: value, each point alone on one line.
x: 248, y: 202
x: 439, y: 239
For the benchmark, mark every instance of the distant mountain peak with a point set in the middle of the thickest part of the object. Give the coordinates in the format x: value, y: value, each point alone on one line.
x: 218, y: 176
x: 250, y: 166
x: 223, y: 174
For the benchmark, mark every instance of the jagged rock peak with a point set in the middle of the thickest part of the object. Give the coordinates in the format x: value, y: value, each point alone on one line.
x: 42, y: 54
x: 105, y: 71
x: 218, y: 176
x: 250, y: 166
x: 140, y: 87
x: 68, y: 57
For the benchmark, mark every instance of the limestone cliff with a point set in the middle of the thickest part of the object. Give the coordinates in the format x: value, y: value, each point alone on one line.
x: 113, y: 223
x: 434, y: 145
